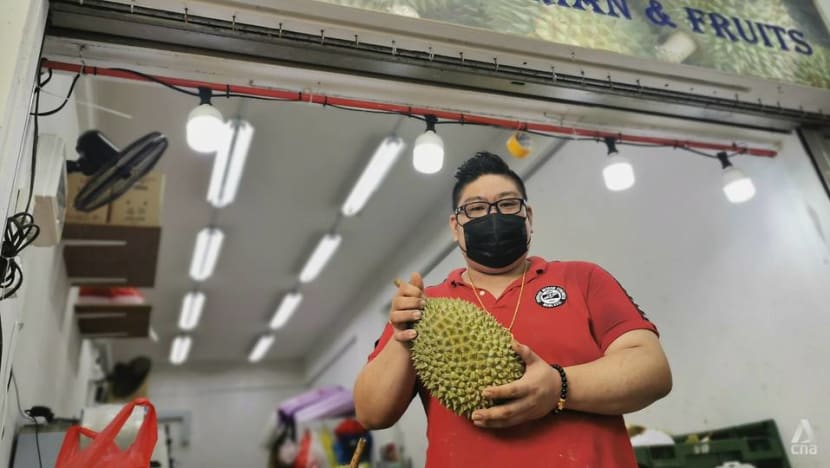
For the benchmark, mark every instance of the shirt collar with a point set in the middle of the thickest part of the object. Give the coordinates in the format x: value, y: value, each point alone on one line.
x: 538, y: 266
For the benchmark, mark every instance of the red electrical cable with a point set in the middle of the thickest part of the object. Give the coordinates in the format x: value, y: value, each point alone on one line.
x: 323, y: 99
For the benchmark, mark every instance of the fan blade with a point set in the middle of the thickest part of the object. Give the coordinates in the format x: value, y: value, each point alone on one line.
x: 114, y: 179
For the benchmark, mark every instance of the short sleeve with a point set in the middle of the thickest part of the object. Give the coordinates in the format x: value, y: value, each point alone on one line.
x: 381, y: 342
x: 612, y: 311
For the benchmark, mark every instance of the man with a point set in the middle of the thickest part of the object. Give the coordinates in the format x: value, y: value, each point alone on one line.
x: 590, y: 354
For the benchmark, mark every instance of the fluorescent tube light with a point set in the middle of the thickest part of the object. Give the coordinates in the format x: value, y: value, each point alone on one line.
x: 286, y: 309
x: 261, y: 347
x: 191, y: 312
x: 382, y: 161
x: 180, y: 349
x: 205, y: 253
x: 229, y: 162
x: 322, y: 254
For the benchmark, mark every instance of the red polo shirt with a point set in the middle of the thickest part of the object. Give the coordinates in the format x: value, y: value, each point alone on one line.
x: 570, y: 313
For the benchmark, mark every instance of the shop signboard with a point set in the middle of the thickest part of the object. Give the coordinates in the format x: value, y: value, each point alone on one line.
x: 781, y: 40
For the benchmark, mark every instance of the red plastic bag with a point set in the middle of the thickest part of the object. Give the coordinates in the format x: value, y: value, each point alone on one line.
x: 102, y: 452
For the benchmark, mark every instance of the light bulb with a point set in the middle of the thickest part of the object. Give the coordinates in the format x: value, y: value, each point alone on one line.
x: 737, y: 187
x: 428, y: 154
x: 618, y: 173
x: 205, y: 128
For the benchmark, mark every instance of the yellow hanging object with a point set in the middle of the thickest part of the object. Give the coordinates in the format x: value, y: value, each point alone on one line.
x: 519, y: 144
x: 327, y: 442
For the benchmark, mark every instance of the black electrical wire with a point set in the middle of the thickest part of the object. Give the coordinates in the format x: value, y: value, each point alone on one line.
x: 629, y: 143
x: 33, y: 167
x: 62, y: 105
x: 557, y: 137
x: 20, y: 231
x: 195, y: 93
x: 700, y: 153
x: 12, y: 278
x: 48, y: 78
x: 370, y: 111
x: 26, y: 415
x: 156, y: 80
x: 37, y: 441
x: 464, y: 123
x: 256, y: 98
x: 645, y: 145
x: 17, y: 392
x: 595, y: 139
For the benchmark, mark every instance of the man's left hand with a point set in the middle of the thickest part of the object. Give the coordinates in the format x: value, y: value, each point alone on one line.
x: 534, y: 395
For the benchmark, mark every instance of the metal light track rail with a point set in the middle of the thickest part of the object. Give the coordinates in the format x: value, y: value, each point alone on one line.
x: 472, y: 119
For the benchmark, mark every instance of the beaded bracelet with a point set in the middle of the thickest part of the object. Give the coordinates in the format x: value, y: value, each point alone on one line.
x: 563, y: 393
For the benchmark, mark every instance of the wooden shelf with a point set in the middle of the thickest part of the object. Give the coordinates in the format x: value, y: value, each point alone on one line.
x: 113, y: 320
x: 111, y: 255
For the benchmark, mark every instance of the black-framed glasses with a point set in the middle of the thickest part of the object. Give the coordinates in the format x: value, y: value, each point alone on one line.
x: 478, y: 209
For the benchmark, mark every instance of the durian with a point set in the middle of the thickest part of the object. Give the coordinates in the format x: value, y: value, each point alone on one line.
x: 466, y: 12
x: 563, y: 25
x: 585, y: 28
x: 460, y: 350
x: 815, y: 70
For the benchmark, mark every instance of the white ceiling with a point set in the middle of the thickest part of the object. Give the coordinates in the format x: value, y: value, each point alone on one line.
x: 302, y: 163
x: 301, y: 166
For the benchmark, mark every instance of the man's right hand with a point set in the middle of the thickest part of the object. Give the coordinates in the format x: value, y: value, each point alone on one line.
x: 406, y: 307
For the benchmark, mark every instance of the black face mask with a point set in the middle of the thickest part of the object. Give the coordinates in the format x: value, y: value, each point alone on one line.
x: 496, y: 240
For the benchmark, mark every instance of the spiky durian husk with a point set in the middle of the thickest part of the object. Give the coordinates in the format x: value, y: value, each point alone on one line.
x: 552, y: 23
x: 815, y: 69
x: 584, y: 28
x: 459, y: 351
x: 469, y: 13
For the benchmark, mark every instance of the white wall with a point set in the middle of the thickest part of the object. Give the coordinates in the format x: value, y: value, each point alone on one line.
x: 21, y: 29
x: 824, y: 10
x: 52, y: 364
x: 739, y: 292
x: 40, y: 338
x: 229, y: 407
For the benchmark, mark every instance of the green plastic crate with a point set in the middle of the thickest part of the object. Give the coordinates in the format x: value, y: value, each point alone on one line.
x: 658, y: 456
x: 758, y: 444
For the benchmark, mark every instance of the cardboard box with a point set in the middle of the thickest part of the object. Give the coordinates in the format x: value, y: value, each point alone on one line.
x: 128, y: 255
x: 74, y: 184
x: 141, y: 205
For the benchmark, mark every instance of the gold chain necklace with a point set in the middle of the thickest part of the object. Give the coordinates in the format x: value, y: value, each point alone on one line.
x: 518, y: 301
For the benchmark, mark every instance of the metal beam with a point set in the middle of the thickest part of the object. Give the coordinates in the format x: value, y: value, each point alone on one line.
x: 115, y: 23
x: 816, y: 144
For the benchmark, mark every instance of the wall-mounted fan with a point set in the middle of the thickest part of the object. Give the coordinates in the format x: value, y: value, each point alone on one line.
x: 126, y: 379
x: 112, y: 171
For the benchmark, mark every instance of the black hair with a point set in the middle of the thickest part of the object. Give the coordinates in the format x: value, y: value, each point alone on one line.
x: 481, y: 164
